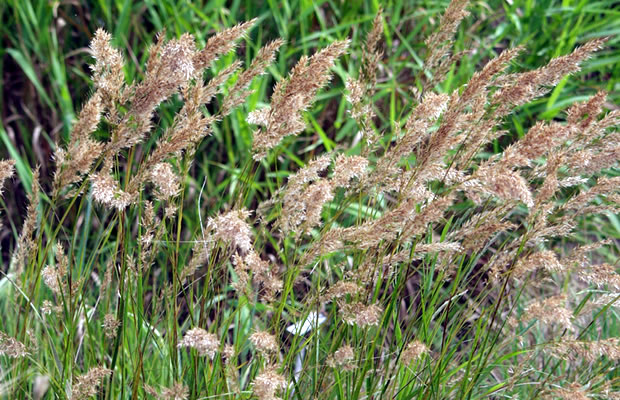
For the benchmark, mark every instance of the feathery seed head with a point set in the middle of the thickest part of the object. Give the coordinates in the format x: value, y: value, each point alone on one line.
x: 207, y: 344
x: 341, y: 289
x: 178, y: 391
x: 11, y: 347
x: 87, y: 385
x: 107, y: 192
x: 267, y: 383
x: 51, y: 278
x: 347, y: 168
x: 360, y: 314
x: 7, y: 168
x: 574, y: 391
x: 265, y: 342
x: 232, y: 228
x: 342, y: 358
x: 601, y: 275
x: 550, y: 310
x: 110, y: 325
x: 108, y: 73
x: 220, y: 43
x: 413, y: 351
x: 546, y: 260
x: 293, y: 95
x: 589, y: 351
x: 166, y: 181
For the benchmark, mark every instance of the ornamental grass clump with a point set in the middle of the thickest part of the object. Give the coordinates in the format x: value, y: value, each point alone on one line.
x: 407, y: 262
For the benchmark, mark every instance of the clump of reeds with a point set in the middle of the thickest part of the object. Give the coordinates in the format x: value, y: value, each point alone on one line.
x: 472, y: 240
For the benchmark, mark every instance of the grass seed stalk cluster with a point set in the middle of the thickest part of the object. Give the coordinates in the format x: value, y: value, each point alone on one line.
x: 408, y: 263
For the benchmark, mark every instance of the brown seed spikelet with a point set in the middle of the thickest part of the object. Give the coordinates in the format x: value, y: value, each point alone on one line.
x: 291, y: 96
x: 7, y: 168
x: 550, y: 310
x: 108, y: 73
x: 341, y: 289
x: 77, y: 160
x: 414, y: 350
x: 232, y: 228
x: 546, y: 260
x: 371, y: 54
x: 527, y: 86
x: 360, y: 314
x: 361, y: 90
x: 267, y: 383
x: 601, y: 275
x: 178, y: 391
x: 107, y: 192
x: 589, y: 351
x: 574, y: 391
x: 25, y: 243
x: 239, y: 92
x: 170, y: 67
x: 110, y: 326
x: 11, y: 347
x: 54, y: 276
x: 86, y: 385
x: 220, y: 43
x: 207, y: 344
x: 304, y: 196
x: 439, y: 42
x: 505, y: 184
x: 347, y: 168
x: 265, y: 343
x: 342, y: 358
x: 166, y: 181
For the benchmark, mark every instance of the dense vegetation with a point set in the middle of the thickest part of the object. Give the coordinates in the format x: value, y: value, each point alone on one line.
x: 329, y: 200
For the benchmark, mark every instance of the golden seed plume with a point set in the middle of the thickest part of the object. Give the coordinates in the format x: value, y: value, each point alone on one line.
x: 87, y: 385
x: 11, y: 347
x: 207, y: 344
x: 293, y: 95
